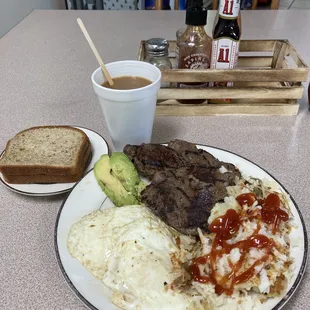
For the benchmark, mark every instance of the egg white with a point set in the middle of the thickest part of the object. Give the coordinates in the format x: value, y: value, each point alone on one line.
x: 129, y: 249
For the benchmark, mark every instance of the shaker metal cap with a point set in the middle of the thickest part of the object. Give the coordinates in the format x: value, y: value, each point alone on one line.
x: 157, y: 46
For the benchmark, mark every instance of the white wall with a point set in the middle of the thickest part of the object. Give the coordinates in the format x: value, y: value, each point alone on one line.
x: 13, y: 11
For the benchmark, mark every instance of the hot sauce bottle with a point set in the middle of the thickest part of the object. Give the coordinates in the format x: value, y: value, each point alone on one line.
x: 193, y: 49
x: 226, y: 38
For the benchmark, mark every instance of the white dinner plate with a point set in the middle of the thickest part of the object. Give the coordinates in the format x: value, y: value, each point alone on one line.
x: 98, y: 147
x: 87, y: 197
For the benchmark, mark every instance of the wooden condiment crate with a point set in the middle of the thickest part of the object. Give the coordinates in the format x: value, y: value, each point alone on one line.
x: 267, y: 81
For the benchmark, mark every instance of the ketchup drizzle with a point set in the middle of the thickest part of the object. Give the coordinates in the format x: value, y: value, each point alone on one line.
x: 272, y: 213
x: 225, y: 227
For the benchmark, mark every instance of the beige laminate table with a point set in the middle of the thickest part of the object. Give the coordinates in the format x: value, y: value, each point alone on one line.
x: 45, y: 67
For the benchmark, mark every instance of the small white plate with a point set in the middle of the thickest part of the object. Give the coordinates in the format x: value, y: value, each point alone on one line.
x: 98, y: 147
x: 87, y: 197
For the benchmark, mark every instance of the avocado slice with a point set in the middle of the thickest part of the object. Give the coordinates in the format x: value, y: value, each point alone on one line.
x: 111, y: 185
x: 125, y: 171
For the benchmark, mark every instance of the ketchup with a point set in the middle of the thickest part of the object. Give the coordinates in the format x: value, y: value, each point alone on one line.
x: 225, y: 227
x: 272, y: 213
x: 246, y: 199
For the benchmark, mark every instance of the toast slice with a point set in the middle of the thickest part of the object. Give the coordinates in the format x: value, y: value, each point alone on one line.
x: 46, y: 154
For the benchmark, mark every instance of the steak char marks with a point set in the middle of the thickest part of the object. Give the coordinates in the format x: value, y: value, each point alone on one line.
x: 186, y: 182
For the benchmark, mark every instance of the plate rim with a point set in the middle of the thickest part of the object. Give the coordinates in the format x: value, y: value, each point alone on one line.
x: 63, y: 271
x: 278, y: 306
x: 59, y: 192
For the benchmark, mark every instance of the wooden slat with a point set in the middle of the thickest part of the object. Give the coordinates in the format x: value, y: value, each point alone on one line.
x: 141, y: 52
x: 279, y: 53
x: 245, y: 45
x: 254, y: 61
x: 262, y: 101
x: 172, y: 107
x: 265, y: 75
x: 172, y: 45
x: 249, y: 46
x: 172, y: 102
x: 258, y: 84
x: 296, y: 57
x: 285, y: 64
x: 232, y: 93
x: 257, y: 45
x: 243, y: 61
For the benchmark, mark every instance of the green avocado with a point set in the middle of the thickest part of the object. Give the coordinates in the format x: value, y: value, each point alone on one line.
x: 111, y: 185
x: 125, y: 171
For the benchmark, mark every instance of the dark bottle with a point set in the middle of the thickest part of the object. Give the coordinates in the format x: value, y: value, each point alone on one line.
x: 227, y: 28
x: 226, y: 37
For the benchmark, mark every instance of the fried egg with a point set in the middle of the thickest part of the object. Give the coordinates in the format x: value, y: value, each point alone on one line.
x: 129, y: 250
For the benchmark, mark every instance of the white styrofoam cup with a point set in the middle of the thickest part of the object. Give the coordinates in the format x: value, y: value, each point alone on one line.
x: 129, y: 114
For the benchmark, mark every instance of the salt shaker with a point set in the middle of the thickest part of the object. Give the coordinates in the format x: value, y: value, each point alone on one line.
x: 157, y: 54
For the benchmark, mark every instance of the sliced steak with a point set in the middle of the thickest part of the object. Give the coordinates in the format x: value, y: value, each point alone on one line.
x: 184, y: 197
x: 199, y: 157
x: 194, y: 156
x: 151, y: 158
x: 186, y: 182
x: 202, y: 177
x: 179, y: 204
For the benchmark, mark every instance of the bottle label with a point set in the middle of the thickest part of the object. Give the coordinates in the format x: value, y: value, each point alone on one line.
x: 224, y: 56
x: 196, y: 61
x: 229, y: 8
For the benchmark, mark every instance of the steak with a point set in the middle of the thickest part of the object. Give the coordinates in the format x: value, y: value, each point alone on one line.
x: 183, y: 198
x: 192, y: 155
x: 181, y: 203
x: 186, y: 182
x: 150, y: 158
x: 199, y: 157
